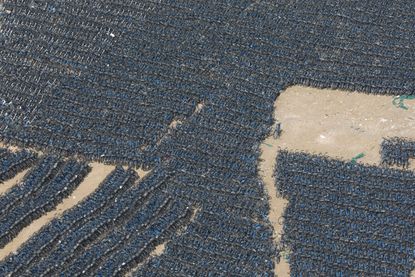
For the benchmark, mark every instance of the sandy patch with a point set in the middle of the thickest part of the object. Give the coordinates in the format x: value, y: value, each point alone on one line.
x: 335, y: 123
x: 142, y: 173
x: 5, y: 186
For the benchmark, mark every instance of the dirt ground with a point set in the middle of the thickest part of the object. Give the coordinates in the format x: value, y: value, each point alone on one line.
x: 331, y: 122
x: 334, y: 123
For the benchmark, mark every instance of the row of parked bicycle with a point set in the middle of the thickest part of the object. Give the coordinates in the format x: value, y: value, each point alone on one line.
x: 162, y: 229
x: 119, y: 209
x: 41, y: 194
x: 106, y: 229
x: 397, y: 151
x: 361, y: 223
x: 32, y: 184
x: 223, y: 183
x: 341, y: 205
x: 117, y: 239
x: 12, y: 163
x: 216, y: 244
x: 118, y: 110
x: 204, y: 251
x: 224, y: 218
x: 48, y: 239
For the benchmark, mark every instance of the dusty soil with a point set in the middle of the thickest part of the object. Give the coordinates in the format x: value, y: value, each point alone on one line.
x: 331, y: 122
x: 5, y: 186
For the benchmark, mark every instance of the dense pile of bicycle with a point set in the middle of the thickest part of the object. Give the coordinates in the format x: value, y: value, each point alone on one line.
x: 346, y: 219
x: 118, y: 226
x: 397, y: 151
x: 107, y: 80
